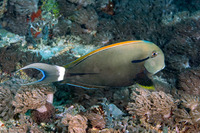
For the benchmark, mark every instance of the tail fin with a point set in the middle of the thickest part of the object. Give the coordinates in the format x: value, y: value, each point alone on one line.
x: 51, y: 73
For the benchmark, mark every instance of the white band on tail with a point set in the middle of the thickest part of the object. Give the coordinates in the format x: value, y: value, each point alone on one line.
x: 61, y: 71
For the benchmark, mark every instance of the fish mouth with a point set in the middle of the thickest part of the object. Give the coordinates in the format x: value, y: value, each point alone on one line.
x: 163, y: 67
x: 159, y: 70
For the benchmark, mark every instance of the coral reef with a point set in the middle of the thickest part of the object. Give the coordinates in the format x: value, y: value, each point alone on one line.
x: 67, y: 8
x: 76, y: 124
x: 96, y: 120
x: 26, y: 99
x: 16, y: 16
x: 183, y: 45
x: 87, y: 17
x: 102, y: 38
x: 24, y: 124
x: 24, y: 7
x: 39, y: 99
x: 11, y: 57
x: 17, y: 25
x: 85, y: 97
x: 62, y: 28
x: 84, y: 24
x: 187, y: 116
x: 64, y: 50
x: 8, y: 90
x: 149, y: 103
x: 121, y: 97
x: 31, y: 97
x: 191, y: 6
x: 129, y: 24
x: 181, y: 115
x: 3, y: 5
x: 108, y: 6
x: 88, y: 98
x: 6, y: 97
x: 60, y: 31
x: 9, y: 38
x: 161, y: 84
x: 153, y: 107
x: 69, y: 46
x: 191, y: 102
x: 189, y: 82
x: 44, y: 115
x: 51, y: 6
x: 83, y: 2
x: 173, y: 19
x: 42, y: 22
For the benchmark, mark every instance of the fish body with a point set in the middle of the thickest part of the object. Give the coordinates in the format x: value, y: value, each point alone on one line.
x: 115, y: 65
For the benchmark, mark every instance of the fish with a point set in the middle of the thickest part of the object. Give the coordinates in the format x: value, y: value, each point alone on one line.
x: 116, y: 65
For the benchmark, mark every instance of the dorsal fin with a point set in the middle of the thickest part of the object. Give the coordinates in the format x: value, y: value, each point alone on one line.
x: 98, y: 50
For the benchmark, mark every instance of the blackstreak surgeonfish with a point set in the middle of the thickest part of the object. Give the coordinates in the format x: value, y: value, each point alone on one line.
x: 115, y: 65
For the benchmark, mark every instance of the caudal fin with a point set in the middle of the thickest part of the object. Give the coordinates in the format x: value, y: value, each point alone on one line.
x: 50, y: 73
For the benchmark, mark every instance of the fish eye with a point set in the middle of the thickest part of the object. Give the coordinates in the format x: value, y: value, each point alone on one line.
x: 154, y: 54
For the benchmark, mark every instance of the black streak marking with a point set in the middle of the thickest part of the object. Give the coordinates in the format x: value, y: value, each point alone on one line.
x: 138, y: 61
x: 75, y: 74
